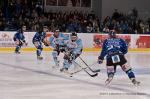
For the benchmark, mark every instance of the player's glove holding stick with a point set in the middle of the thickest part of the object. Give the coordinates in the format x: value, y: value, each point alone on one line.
x: 23, y: 42
x: 100, y: 60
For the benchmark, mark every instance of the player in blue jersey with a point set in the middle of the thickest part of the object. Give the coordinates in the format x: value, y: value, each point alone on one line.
x: 57, y: 41
x: 114, y: 49
x: 19, y: 39
x: 38, y: 39
x: 74, y: 48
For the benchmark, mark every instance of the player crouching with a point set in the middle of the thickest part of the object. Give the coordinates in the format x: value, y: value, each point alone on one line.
x: 115, y: 49
x: 74, y: 48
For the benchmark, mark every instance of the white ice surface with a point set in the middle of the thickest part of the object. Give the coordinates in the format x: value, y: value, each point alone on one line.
x: 23, y: 77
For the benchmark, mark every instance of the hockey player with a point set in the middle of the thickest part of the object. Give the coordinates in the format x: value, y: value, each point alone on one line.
x: 74, y: 48
x: 19, y: 39
x: 38, y: 39
x: 57, y: 41
x: 114, y: 49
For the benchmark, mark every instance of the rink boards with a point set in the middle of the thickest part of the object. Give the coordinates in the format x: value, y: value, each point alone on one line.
x: 84, y: 50
x: 91, y: 41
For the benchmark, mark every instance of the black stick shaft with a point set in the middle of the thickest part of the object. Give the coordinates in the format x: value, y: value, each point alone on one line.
x: 88, y: 65
x: 92, y: 75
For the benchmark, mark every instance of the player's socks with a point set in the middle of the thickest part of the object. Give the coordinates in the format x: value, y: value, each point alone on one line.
x: 38, y: 52
x: 17, y: 49
x: 130, y: 73
x: 56, y: 62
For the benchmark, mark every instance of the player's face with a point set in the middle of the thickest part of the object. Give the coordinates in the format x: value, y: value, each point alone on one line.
x: 73, y: 38
x: 56, y: 34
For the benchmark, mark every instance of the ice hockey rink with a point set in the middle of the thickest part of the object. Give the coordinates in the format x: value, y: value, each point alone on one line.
x: 23, y: 77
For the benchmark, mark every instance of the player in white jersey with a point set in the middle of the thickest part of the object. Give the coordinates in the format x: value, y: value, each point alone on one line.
x: 57, y: 41
x: 73, y: 49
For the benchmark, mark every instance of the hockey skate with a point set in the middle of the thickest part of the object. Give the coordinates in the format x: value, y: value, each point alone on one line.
x: 65, y: 71
x: 16, y: 52
x: 39, y: 57
x: 108, y: 80
x: 56, y: 65
x: 135, y: 82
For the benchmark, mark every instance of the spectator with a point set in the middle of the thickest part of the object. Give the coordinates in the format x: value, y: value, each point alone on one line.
x: 89, y: 28
x: 31, y: 14
x: 116, y: 15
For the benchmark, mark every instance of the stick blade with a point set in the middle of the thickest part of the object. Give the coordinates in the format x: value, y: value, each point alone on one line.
x: 98, y: 70
x: 94, y: 75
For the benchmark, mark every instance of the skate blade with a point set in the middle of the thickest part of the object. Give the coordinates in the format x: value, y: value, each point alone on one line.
x: 55, y: 67
x: 137, y: 84
x: 67, y: 74
x: 40, y: 58
x: 107, y: 82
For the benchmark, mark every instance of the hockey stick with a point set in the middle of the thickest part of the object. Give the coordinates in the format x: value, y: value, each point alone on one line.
x: 23, y: 42
x: 92, y: 75
x: 98, y: 70
x: 81, y: 69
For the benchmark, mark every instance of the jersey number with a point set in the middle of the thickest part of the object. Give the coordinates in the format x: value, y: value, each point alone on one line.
x: 115, y: 59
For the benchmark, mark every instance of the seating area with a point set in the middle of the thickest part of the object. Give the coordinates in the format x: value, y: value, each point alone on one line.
x: 32, y: 15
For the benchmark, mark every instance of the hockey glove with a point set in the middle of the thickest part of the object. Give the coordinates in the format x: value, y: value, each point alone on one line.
x: 62, y: 48
x: 100, y: 60
x: 45, y: 44
x: 72, y: 56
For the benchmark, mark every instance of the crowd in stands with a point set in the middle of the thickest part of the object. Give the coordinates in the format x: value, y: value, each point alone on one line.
x: 126, y: 23
x: 32, y: 16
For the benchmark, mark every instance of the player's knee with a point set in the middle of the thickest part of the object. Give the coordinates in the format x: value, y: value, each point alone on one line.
x: 125, y: 67
x: 66, y: 57
x: 54, y: 53
x: 77, y: 55
x: 40, y: 47
x: 110, y: 71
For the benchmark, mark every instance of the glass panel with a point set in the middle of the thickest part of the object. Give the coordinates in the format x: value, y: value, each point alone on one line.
x: 71, y: 3
x: 62, y: 2
x: 85, y: 3
x: 51, y: 2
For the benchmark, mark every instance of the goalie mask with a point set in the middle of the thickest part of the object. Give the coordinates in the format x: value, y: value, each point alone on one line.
x: 74, y: 36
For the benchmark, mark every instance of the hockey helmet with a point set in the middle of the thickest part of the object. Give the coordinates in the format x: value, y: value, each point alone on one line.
x: 74, y: 34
